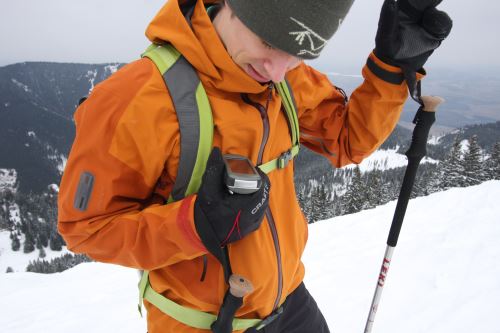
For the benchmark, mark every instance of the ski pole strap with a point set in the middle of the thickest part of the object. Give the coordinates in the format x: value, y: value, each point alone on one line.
x: 190, y: 317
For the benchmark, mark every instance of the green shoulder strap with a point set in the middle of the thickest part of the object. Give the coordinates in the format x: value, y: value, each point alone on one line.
x: 195, y: 125
x: 193, y: 113
x: 285, y: 92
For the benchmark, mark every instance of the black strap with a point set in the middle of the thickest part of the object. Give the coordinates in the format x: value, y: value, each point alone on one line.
x: 387, y: 76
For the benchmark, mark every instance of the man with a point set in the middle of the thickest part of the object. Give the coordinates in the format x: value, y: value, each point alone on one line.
x: 128, y: 137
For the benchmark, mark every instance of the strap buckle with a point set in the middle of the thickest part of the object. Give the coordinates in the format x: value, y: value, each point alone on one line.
x: 269, y: 319
x: 284, y: 159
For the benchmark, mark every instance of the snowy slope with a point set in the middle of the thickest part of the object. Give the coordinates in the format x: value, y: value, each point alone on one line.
x: 384, y: 159
x: 445, y: 272
x: 444, y: 276
x: 18, y: 260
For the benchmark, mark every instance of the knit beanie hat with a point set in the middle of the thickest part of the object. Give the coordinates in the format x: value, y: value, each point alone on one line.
x: 298, y: 27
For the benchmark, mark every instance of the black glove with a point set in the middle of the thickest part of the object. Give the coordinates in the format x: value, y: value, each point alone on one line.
x: 221, y: 217
x: 409, y: 31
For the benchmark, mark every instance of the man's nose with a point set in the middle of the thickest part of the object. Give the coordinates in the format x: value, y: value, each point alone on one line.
x: 278, y: 65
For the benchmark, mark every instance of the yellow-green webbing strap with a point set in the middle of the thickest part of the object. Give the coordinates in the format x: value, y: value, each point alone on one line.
x: 291, y: 112
x: 194, y: 115
x: 185, y: 315
x: 289, y: 105
x: 196, y: 130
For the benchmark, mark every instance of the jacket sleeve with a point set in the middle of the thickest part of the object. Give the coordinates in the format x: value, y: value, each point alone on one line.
x: 126, y: 133
x: 343, y: 132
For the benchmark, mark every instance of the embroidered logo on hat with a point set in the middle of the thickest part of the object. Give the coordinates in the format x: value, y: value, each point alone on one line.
x: 316, y: 42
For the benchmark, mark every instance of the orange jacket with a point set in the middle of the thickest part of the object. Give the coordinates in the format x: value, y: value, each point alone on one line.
x: 128, y: 138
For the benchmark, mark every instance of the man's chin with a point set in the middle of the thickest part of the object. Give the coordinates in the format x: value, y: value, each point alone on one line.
x: 254, y: 74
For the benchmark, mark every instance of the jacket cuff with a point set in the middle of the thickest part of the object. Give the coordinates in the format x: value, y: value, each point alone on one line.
x: 383, y: 71
x: 185, y: 221
x: 387, y: 72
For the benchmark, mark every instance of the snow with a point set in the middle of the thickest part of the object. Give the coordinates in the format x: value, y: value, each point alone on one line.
x: 91, y: 75
x: 59, y: 158
x: 90, y: 297
x: 62, y: 164
x: 444, y: 276
x: 14, y: 214
x: 54, y: 188
x: 111, y: 68
x: 464, y: 146
x: 7, y: 179
x: 384, y: 159
x: 18, y: 260
x: 434, y: 140
x: 20, y: 85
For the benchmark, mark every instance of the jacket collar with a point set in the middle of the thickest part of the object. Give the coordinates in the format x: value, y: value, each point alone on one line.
x: 200, y: 44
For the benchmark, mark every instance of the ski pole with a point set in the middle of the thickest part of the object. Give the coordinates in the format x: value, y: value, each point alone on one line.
x: 423, y: 121
x: 239, y: 287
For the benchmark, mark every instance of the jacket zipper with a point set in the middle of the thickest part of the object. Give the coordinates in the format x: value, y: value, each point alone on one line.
x: 269, y: 215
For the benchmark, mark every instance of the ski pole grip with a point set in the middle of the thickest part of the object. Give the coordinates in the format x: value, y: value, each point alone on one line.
x: 423, y: 121
x: 239, y: 287
x: 431, y: 103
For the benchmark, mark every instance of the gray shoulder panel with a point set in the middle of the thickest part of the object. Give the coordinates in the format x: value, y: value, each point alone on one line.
x: 182, y: 82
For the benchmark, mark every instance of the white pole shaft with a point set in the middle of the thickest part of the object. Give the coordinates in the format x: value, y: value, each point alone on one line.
x: 380, y: 286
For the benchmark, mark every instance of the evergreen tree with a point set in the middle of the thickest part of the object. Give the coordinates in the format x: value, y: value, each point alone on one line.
x: 336, y: 205
x: 374, y: 189
x: 9, y: 270
x: 29, y: 244
x: 451, y: 170
x: 325, y: 210
x: 16, y: 243
x: 304, y: 202
x: 472, y: 164
x: 57, y: 264
x: 317, y: 203
x: 355, y: 196
x: 41, y: 253
x: 493, y: 163
x: 56, y: 242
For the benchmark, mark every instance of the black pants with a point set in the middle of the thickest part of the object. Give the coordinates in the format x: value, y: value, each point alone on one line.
x: 300, y: 315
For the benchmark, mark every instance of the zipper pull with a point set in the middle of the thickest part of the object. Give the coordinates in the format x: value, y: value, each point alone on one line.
x: 270, y: 87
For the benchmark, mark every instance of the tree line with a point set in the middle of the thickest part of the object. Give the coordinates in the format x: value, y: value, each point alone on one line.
x: 340, y: 192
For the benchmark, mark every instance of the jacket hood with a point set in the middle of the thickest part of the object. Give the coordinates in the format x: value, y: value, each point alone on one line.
x: 200, y: 44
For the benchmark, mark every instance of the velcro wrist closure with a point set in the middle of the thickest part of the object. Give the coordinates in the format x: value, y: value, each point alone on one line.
x: 384, y: 74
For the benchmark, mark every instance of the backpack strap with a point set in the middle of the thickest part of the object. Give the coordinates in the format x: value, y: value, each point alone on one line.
x: 189, y: 316
x: 193, y: 114
x: 288, y: 101
x: 196, y: 131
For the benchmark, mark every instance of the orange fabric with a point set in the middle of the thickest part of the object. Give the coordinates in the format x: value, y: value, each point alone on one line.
x: 128, y: 138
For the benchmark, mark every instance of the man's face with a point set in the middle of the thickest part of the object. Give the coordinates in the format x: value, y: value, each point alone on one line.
x: 258, y: 59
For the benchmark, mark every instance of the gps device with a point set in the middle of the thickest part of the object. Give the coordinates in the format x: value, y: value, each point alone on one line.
x: 241, y: 176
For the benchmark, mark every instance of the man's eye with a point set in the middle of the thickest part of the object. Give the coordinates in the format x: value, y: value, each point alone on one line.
x: 267, y: 45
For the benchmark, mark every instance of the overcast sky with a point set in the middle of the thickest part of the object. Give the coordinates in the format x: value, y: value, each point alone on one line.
x: 98, y: 31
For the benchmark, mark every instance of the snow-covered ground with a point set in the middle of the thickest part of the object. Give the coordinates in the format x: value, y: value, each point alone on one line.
x: 8, y: 179
x: 18, y: 260
x: 444, y: 276
x: 384, y: 159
